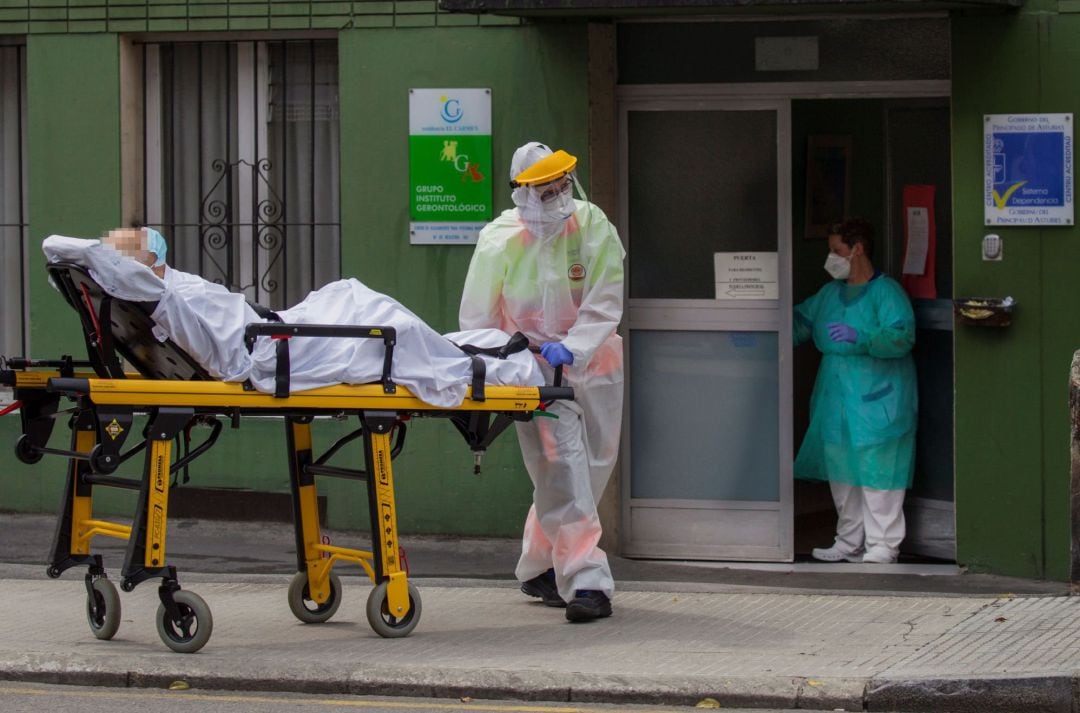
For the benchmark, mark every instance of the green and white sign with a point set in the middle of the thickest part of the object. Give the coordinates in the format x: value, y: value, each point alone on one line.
x: 449, y: 165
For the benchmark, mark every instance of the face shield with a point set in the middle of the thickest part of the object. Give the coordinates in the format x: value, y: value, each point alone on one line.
x: 543, y: 183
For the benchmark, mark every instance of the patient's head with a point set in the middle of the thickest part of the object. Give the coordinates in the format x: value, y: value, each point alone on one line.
x: 144, y: 245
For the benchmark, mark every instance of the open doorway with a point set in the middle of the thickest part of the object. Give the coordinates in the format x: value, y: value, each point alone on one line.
x: 885, y: 145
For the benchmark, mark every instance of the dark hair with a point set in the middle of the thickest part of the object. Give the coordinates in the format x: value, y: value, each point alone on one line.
x: 855, y: 230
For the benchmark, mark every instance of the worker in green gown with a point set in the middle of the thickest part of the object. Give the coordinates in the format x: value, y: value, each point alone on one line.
x: 861, y: 437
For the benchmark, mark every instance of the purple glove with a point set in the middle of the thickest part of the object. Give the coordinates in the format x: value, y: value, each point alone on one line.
x: 840, y: 332
x: 556, y: 354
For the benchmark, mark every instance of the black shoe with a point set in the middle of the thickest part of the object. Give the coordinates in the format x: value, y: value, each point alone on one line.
x: 588, y: 604
x: 543, y: 587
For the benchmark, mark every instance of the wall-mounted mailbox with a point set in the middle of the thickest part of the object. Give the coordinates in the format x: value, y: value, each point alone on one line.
x: 984, y: 311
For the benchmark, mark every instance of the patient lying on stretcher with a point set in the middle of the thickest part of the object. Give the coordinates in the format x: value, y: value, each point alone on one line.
x: 207, y: 321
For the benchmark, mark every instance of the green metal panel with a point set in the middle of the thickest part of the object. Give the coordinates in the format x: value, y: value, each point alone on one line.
x: 93, y: 16
x: 73, y: 108
x: 538, y: 81
x: 1060, y: 48
x: 1012, y: 469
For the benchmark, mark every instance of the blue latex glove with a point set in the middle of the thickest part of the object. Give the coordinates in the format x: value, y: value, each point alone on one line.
x: 840, y: 332
x: 556, y: 354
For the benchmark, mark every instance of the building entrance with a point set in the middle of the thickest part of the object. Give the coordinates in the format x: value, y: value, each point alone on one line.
x: 717, y: 400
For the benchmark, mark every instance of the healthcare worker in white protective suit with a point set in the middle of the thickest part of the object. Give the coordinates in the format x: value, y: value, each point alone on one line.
x: 552, y: 268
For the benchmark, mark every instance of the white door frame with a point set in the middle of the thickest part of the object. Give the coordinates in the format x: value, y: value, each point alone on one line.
x: 708, y: 315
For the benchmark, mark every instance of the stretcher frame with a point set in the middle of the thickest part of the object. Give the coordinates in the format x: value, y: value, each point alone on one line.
x: 180, y: 395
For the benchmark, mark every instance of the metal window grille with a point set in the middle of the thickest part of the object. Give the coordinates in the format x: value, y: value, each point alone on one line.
x: 14, y: 337
x: 242, y: 157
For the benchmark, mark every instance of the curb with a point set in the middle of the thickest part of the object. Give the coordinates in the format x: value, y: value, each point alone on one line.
x: 742, y: 692
x: 981, y: 694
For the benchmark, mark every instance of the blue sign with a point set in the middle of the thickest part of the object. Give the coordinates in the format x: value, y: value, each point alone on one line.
x: 1027, y: 162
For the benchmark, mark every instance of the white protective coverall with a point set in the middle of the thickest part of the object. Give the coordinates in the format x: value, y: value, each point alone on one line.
x: 566, y: 287
x: 207, y: 321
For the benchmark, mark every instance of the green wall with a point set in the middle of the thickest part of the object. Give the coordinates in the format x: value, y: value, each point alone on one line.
x: 19, y: 17
x: 538, y: 83
x: 1012, y: 428
x: 73, y: 100
x: 537, y: 77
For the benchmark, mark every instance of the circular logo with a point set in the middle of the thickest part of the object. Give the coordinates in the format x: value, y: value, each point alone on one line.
x: 577, y: 272
x: 451, y: 111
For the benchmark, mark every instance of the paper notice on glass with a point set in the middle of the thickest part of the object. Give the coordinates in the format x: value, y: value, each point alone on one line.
x: 746, y: 276
x: 918, y: 241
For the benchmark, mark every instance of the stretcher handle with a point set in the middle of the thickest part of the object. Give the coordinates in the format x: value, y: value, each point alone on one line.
x: 556, y: 393
x: 57, y: 384
x: 66, y: 366
x: 24, y: 363
x: 558, y: 372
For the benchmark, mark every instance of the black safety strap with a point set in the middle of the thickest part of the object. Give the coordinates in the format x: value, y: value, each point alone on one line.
x: 517, y: 343
x: 282, y: 366
x: 479, y: 374
x: 281, y: 373
x: 264, y: 312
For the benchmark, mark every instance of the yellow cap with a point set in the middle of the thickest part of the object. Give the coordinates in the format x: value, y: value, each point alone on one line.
x: 546, y: 170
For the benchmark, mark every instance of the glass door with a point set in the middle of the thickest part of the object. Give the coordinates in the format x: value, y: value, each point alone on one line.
x: 705, y: 210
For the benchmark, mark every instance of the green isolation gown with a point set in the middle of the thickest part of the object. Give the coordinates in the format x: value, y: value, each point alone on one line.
x: 863, y: 409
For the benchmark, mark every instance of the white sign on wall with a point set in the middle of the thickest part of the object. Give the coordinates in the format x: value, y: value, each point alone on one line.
x: 746, y: 276
x: 450, y: 186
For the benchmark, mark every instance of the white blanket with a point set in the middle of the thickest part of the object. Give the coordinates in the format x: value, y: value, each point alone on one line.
x: 207, y: 321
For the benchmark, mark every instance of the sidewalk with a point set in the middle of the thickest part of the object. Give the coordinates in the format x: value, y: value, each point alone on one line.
x: 751, y: 643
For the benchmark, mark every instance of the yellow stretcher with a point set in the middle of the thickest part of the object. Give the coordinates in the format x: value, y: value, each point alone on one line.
x: 177, y: 395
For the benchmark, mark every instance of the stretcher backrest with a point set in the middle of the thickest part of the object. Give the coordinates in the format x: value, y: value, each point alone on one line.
x: 115, y: 328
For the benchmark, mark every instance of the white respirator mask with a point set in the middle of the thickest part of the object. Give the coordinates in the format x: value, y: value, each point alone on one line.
x: 838, y: 267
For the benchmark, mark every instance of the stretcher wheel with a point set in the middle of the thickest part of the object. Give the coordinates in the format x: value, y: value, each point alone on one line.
x: 103, y: 609
x: 25, y: 451
x: 194, y: 628
x: 305, y: 608
x: 386, y: 625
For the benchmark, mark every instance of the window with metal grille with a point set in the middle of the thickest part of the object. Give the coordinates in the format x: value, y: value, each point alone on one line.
x: 13, y: 208
x: 242, y: 162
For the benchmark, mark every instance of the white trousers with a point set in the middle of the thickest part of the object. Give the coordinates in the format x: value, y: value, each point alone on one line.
x: 868, y: 520
x: 570, y: 460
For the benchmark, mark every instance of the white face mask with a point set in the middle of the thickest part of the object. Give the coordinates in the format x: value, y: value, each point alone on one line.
x: 545, y: 211
x: 837, y: 266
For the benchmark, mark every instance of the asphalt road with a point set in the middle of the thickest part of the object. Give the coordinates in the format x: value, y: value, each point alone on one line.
x: 34, y: 698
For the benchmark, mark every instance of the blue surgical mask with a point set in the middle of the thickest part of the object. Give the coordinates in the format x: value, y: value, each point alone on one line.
x: 156, y: 244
